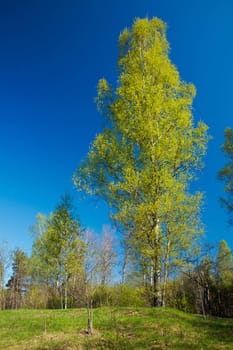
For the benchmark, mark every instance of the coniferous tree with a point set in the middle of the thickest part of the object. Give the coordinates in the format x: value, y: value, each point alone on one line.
x: 18, y: 283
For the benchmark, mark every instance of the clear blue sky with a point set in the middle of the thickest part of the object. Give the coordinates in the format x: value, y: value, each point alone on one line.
x: 52, y: 53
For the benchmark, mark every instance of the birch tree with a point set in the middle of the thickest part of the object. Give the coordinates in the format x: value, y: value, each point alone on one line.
x: 106, y: 255
x: 149, y: 150
x: 58, y: 251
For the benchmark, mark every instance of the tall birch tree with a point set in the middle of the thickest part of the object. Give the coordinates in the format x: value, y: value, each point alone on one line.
x: 142, y: 162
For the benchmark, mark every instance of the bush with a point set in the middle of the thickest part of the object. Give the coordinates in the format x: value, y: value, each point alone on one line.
x: 123, y: 295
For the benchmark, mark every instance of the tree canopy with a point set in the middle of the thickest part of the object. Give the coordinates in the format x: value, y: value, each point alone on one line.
x: 226, y: 173
x: 142, y: 162
x: 58, y: 251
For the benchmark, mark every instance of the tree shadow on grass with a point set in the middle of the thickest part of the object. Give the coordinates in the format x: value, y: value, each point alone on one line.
x: 215, y: 329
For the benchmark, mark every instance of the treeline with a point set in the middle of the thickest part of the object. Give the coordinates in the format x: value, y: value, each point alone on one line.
x: 207, y: 288
x: 69, y: 267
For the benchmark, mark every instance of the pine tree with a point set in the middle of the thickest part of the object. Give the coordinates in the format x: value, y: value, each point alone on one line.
x: 18, y: 282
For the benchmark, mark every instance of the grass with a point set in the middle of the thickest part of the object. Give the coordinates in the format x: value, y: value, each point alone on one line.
x: 119, y: 328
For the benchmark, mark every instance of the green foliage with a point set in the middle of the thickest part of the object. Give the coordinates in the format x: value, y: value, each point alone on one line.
x: 207, y: 288
x: 224, y: 264
x: 123, y: 295
x: 35, y: 297
x: 226, y: 173
x: 58, y: 252
x: 142, y: 162
x: 18, y: 283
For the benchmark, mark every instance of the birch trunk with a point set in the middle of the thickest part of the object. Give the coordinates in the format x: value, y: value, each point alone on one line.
x: 166, y: 264
x: 156, y: 300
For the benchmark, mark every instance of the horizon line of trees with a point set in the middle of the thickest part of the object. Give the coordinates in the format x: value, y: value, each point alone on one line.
x: 205, y: 286
x: 71, y: 267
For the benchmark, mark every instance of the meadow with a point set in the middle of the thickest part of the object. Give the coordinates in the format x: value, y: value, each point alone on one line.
x: 114, y: 328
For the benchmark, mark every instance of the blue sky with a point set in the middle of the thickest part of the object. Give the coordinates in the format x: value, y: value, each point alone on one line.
x: 52, y: 53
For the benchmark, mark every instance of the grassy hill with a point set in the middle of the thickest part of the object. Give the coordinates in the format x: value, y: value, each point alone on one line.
x: 118, y: 328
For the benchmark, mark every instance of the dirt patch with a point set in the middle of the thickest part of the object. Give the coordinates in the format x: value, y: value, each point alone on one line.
x: 132, y: 313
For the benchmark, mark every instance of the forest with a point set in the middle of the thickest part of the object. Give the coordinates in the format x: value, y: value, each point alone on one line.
x: 142, y: 165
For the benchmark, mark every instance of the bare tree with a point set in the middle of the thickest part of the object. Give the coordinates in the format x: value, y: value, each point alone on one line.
x: 106, y: 255
x: 90, y: 275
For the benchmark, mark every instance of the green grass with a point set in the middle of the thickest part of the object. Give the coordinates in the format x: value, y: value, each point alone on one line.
x: 119, y: 328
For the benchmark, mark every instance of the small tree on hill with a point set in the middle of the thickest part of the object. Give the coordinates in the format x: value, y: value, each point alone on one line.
x: 58, y: 251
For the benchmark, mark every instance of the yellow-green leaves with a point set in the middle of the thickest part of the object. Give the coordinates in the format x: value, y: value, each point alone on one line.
x: 146, y: 156
x: 226, y: 173
x: 104, y: 94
